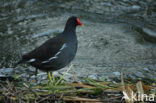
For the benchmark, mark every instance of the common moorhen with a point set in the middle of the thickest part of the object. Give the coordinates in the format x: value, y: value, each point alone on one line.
x: 56, y: 52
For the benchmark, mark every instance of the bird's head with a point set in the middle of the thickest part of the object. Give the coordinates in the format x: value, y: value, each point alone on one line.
x: 74, y: 21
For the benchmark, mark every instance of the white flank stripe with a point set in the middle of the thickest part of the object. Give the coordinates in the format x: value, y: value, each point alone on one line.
x: 31, y: 60
x: 45, y: 61
x: 52, y: 58
x: 55, y: 56
x: 64, y: 46
x: 57, y: 53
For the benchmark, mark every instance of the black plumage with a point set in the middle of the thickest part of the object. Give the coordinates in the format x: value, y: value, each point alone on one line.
x: 56, y: 52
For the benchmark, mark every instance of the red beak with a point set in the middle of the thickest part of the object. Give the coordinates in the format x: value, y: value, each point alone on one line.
x: 79, y: 23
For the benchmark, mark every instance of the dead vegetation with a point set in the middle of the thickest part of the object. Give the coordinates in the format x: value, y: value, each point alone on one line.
x: 90, y: 91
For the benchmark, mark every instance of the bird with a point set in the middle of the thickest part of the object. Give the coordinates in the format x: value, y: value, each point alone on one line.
x: 57, y: 52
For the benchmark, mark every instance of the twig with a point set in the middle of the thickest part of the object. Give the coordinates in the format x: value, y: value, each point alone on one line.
x: 68, y: 98
x: 122, y: 82
x: 74, y: 76
x: 63, y: 76
x: 28, y: 87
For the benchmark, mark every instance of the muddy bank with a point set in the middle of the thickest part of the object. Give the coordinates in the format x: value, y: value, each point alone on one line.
x: 105, y: 49
x: 112, y: 40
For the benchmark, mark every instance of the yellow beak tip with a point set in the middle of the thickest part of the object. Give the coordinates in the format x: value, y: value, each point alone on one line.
x: 82, y: 25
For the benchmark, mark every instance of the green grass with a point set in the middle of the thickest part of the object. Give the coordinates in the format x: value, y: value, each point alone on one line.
x: 61, y: 91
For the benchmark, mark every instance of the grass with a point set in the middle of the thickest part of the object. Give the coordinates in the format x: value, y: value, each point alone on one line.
x: 89, y: 91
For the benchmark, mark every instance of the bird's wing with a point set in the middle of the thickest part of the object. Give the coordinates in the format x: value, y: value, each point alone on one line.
x: 46, y: 51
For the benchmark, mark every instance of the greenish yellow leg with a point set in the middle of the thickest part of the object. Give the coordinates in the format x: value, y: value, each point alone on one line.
x: 50, y: 78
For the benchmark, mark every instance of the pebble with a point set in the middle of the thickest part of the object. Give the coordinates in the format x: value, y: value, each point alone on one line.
x: 146, y: 69
x: 116, y: 73
x: 95, y: 77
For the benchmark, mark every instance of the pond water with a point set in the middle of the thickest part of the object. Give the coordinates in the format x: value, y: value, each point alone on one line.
x: 119, y: 35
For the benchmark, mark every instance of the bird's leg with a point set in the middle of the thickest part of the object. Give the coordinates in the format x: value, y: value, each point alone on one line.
x: 49, y: 75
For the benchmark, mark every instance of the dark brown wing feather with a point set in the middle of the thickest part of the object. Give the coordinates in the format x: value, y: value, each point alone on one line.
x: 46, y: 50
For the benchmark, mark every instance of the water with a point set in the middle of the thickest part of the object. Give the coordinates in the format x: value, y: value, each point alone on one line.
x: 25, y: 24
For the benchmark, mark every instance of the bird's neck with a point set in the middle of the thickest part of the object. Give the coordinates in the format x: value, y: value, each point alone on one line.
x: 69, y: 28
x: 70, y: 33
